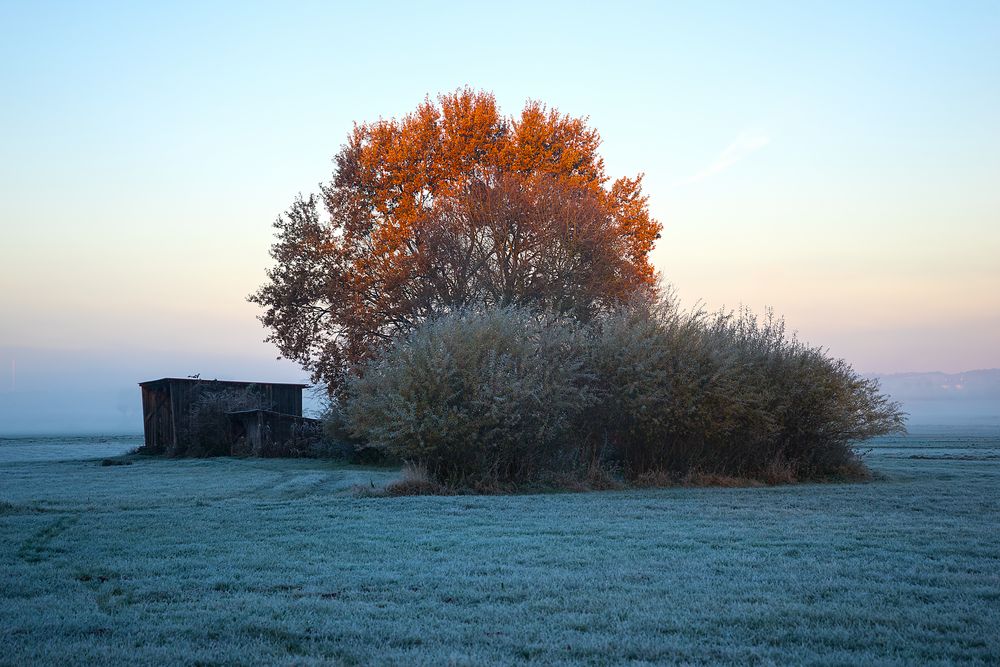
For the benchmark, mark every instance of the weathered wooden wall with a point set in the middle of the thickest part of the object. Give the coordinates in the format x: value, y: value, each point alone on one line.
x: 267, y: 433
x: 167, y: 403
x: 158, y: 418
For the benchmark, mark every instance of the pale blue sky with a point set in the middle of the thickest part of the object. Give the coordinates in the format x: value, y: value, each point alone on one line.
x: 837, y: 161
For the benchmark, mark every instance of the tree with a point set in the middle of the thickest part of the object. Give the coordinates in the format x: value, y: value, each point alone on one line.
x: 520, y: 242
x: 454, y: 204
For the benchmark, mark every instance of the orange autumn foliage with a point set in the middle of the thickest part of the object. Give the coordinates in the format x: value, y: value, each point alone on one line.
x: 434, y: 210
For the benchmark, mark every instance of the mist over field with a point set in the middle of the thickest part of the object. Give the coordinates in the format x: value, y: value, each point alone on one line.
x: 971, y: 398
x: 96, y: 392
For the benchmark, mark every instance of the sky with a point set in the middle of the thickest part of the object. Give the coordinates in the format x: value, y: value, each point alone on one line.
x: 838, y: 162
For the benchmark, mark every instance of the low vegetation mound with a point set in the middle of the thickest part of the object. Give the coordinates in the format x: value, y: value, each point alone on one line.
x: 477, y: 396
x: 509, y: 397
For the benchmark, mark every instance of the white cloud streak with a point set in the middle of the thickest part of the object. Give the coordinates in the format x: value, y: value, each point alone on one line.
x: 745, y: 144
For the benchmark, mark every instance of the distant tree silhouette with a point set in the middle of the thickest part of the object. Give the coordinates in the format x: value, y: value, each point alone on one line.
x: 453, y: 204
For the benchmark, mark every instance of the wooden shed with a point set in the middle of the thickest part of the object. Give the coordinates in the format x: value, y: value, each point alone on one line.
x: 167, y: 403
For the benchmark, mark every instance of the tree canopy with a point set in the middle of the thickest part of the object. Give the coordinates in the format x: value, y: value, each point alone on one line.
x: 452, y: 205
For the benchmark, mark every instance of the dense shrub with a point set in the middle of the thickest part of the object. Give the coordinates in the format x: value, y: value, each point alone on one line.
x: 478, y: 398
x: 337, y: 442
x: 652, y: 380
x: 508, y: 396
x: 800, y: 407
x: 732, y: 395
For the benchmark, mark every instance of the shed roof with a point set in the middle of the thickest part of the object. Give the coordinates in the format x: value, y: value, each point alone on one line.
x: 234, y: 382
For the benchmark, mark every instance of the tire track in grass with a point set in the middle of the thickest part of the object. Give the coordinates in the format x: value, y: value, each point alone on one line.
x: 38, y: 547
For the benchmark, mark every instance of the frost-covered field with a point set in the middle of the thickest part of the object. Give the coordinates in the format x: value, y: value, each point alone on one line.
x: 63, y: 447
x: 276, y: 562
